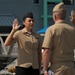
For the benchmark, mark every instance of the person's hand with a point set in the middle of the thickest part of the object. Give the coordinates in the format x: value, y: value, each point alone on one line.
x: 15, y: 25
x: 49, y: 72
x: 46, y: 73
x: 72, y: 17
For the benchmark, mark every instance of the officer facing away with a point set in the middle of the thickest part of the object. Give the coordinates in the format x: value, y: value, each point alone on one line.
x: 59, y: 44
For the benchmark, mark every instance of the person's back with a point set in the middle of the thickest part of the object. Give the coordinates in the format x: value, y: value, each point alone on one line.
x: 63, y: 45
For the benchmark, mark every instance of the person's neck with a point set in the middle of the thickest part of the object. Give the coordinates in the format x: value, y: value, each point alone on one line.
x: 29, y: 30
x: 57, y: 20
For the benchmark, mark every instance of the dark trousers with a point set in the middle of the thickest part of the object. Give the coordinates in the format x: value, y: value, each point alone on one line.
x: 26, y: 71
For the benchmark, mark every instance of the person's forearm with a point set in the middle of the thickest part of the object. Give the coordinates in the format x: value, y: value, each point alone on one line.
x: 9, y: 38
x: 46, y: 58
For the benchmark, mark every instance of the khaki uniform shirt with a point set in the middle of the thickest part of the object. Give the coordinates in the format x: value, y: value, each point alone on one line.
x: 60, y: 38
x: 28, y: 44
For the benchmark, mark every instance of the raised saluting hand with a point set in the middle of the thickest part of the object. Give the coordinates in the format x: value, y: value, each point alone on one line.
x: 15, y: 25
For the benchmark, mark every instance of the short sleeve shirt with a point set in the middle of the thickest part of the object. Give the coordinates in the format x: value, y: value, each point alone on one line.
x: 60, y: 39
x: 28, y: 44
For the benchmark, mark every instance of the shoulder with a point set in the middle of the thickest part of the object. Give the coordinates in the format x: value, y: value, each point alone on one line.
x: 37, y: 35
x: 18, y: 32
x: 50, y: 28
x: 55, y: 28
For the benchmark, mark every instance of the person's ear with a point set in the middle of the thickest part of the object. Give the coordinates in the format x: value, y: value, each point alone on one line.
x: 55, y: 17
x: 70, y: 17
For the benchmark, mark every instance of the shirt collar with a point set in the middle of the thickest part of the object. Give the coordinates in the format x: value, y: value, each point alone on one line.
x: 61, y: 21
x: 24, y: 30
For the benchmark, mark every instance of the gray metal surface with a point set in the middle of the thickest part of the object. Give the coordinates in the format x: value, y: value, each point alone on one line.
x: 7, y: 54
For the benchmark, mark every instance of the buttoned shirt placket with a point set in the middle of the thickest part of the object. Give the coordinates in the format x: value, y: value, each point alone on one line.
x: 32, y: 45
x: 31, y: 38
